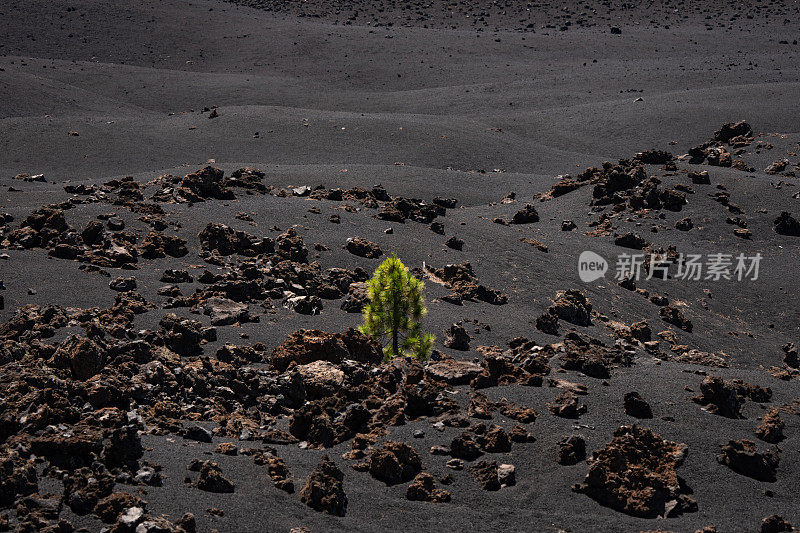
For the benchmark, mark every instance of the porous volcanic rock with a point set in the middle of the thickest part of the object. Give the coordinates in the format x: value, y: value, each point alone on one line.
x: 452, y: 371
x: 456, y: 337
x: 212, y: 480
x: 395, y: 462
x: 743, y: 457
x: 571, y: 305
x: 423, y: 489
x: 636, y: 473
x: 323, y: 489
x: 571, y: 450
x: 485, y: 473
x: 363, y: 248
x: 720, y: 397
x: 306, y: 346
x: 771, y: 427
x: 526, y: 215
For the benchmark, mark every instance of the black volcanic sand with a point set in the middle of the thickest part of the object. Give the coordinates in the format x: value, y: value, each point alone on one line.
x: 415, y: 99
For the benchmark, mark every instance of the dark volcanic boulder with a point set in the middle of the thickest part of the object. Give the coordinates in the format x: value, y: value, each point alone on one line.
x: 323, y: 490
x: 526, y: 215
x: 572, y: 306
x: 423, y: 489
x: 720, y: 397
x: 775, y: 524
x: 81, y: 355
x: 636, y: 406
x: 636, y: 474
x: 456, y: 337
x: 212, y: 480
x: 742, y: 457
x: 208, y: 182
x: 17, y: 478
x: 156, y: 245
x: 729, y: 130
x: 363, y: 248
x: 465, y: 447
x: 307, y: 345
x: 631, y: 240
x: 571, y: 450
x: 654, y: 157
x: 181, y: 335
x: 226, y: 241
x: 396, y: 462
x: 786, y: 224
x: 357, y: 297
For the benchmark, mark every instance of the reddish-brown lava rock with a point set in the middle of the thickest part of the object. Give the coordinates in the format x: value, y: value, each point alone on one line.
x: 323, y: 490
x: 566, y: 405
x: 674, y: 316
x: 636, y: 474
x: 571, y: 305
x: 305, y: 346
x: 485, y: 473
x: 465, y: 447
x: 279, y: 473
x: 480, y: 406
x: 571, y: 450
x: 771, y: 427
x: 463, y: 281
x: 395, y: 462
x: 591, y: 356
x: 743, y: 457
x: 495, y: 440
x: 363, y: 248
x: 498, y: 371
x: 212, y: 480
x: 452, y: 371
x: 526, y: 215
x: 720, y: 397
x: 110, y: 507
x: 208, y: 182
x: 226, y: 241
x: 17, y: 478
x: 81, y: 355
x: 423, y: 489
x: 775, y: 524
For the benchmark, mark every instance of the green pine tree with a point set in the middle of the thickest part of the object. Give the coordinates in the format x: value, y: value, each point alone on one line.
x: 395, y: 309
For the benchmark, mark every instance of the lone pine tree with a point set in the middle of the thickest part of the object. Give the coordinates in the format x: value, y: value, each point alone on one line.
x: 395, y: 309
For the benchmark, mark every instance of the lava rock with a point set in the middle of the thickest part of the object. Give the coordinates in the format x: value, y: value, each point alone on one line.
x: 424, y: 489
x: 743, y: 457
x: 323, y: 489
x: 395, y: 462
x: 636, y: 406
x: 571, y: 450
x: 526, y: 215
x: 636, y: 473
x: 363, y: 248
x: 457, y: 338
